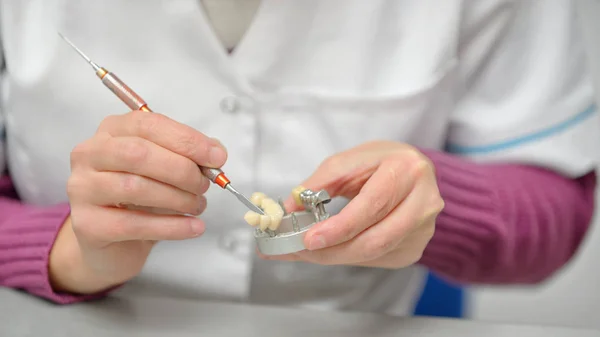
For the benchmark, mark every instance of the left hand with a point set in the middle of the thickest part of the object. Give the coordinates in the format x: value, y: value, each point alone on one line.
x: 390, y: 217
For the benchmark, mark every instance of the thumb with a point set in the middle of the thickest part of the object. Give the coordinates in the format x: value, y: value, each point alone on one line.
x: 336, y: 180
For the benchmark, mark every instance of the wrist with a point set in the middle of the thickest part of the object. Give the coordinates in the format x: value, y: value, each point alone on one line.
x: 67, y: 269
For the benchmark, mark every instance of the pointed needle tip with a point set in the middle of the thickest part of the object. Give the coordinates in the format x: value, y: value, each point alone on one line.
x: 82, y: 54
x: 65, y: 38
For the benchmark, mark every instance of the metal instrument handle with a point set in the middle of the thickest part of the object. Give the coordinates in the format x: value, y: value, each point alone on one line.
x: 125, y: 94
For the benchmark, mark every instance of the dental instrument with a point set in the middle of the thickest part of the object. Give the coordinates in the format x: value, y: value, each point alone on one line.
x: 135, y: 102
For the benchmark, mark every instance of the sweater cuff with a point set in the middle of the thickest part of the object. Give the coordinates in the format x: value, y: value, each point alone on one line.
x: 468, y: 225
x: 26, y: 239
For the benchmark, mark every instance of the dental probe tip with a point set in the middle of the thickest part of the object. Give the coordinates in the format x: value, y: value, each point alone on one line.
x: 282, y: 205
x: 94, y: 65
x: 244, y: 200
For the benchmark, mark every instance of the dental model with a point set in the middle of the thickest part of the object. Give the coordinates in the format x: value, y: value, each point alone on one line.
x: 286, y: 234
x: 273, y: 212
x: 296, y: 194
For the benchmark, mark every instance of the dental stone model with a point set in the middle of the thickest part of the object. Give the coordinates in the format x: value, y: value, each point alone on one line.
x: 273, y: 211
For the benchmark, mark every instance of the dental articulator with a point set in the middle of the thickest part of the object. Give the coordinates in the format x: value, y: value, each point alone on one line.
x: 277, y: 231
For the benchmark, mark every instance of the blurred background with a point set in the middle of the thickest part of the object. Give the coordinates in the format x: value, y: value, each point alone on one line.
x: 571, y: 298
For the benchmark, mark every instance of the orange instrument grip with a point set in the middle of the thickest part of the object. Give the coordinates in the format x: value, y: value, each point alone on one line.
x: 221, y: 180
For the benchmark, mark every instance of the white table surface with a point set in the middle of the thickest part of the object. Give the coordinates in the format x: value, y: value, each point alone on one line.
x: 24, y: 315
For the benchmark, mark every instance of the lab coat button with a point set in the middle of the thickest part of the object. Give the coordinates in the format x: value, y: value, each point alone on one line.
x: 228, y: 243
x: 230, y: 104
x: 238, y: 243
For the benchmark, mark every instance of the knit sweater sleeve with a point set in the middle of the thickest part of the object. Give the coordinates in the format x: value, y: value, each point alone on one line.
x: 27, y: 234
x: 506, y: 224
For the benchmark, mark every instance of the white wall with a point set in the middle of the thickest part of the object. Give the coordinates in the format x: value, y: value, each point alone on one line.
x: 572, y: 298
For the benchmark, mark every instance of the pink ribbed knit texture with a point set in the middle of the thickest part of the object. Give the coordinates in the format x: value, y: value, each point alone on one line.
x: 26, y: 237
x: 506, y: 223
x: 501, y: 224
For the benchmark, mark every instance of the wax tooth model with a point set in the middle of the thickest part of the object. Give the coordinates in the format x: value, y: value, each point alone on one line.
x: 296, y: 194
x: 273, y: 212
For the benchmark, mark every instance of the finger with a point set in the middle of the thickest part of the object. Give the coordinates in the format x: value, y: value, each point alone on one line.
x: 141, y: 157
x: 345, y: 173
x: 171, y: 135
x: 336, y: 182
x: 113, y: 188
x: 406, y: 254
x: 286, y: 257
x: 384, y: 190
x: 388, y: 234
x: 104, y: 225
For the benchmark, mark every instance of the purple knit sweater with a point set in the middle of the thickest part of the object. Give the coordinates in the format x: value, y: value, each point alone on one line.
x: 501, y: 224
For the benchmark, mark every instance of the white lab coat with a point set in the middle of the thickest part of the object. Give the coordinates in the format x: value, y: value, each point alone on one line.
x: 493, y: 80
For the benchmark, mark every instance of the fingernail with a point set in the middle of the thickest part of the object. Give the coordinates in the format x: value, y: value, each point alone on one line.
x: 202, y: 205
x: 197, y: 227
x: 217, y: 156
x: 317, y: 242
x: 218, y: 142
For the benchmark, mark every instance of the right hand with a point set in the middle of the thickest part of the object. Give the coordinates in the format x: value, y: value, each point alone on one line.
x: 142, y: 159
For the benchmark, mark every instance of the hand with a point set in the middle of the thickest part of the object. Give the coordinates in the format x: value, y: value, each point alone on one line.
x: 390, y: 217
x: 142, y: 159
